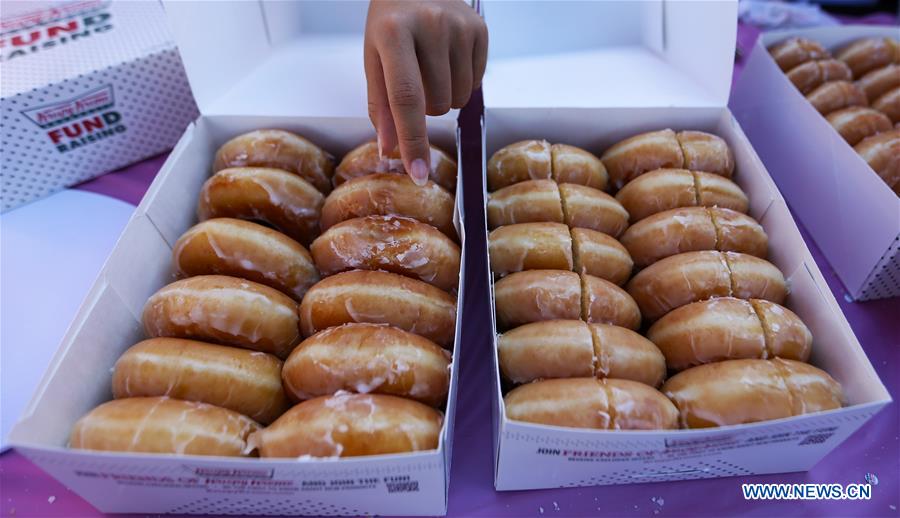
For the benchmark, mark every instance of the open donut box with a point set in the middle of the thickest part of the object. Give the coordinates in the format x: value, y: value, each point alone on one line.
x: 850, y: 212
x: 606, y: 71
x: 295, y: 66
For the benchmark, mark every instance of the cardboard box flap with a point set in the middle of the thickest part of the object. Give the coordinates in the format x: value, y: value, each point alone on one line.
x: 610, y: 54
x: 831, y: 37
x: 274, y: 58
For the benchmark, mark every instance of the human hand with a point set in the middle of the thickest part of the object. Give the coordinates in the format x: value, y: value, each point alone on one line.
x: 421, y: 57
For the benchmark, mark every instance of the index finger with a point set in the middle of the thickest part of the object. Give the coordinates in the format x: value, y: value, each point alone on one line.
x: 407, y: 99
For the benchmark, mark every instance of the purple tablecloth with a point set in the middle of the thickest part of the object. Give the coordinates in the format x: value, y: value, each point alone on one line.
x: 25, y: 490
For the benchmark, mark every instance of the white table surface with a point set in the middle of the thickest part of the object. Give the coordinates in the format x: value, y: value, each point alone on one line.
x: 50, y: 253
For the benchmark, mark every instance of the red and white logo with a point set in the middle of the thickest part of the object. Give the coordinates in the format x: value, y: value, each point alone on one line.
x: 50, y: 115
x: 73, y: 123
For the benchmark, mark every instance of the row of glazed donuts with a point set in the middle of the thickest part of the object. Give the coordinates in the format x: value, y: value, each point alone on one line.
x: 569, y: 335
x: 225, y: 355
x: 858, y: 91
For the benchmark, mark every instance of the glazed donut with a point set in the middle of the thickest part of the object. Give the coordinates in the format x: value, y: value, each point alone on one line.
x: 605, y: 404
x: 379, y: 298
x: 750, y: 391
x: 600, y: 255
x: 538, y: 160
x: 727, y: 328
x: 518, y: 162
x: 553, y: 246
x: 889, y: 104
x: 351, y: 425
x: 706, y: 152
x: 691, y: 229
x: 808, y: 76
x: 794, y: 51
x: 389, y: 194
x: 575, y: 165
x: 367, y: 358
x: 603, y: 302
x: 226, y: 246
x: 693, y: 150
x: 834, y: 95
x: 247, y: 382
x: 856, y: 123
x: 163, y: 425
x: 530, y: 246
x: 281, y: 199
x: 623, y: 354
x: 573, y: 349
x: 393, y: 243
x: 715, y: 191
x: 365, y: 159
x: 693, y: 276
x: 666, y: 189
x: 755, y: 278
x: 531, y: 201
x: 278, y: 149
x: 882, y: 153
x: 546, y: 349
x: 537, y: 295
x: 225, y: 310
x: 879, y: 81
x: 586, y: 207
x: 636, y: 155
x: 544, y: 201
x: 867, y: 54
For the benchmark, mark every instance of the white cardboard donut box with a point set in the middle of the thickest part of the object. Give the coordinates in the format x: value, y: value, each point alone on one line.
x: 850, y: 212
x: 604, y: 71
x: 88, y: 86
x: 296, y: 66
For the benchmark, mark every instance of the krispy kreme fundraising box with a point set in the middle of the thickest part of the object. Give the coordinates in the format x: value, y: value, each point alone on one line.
x: 251, y: 467
x: 88, y: 86
x: 633, y: 158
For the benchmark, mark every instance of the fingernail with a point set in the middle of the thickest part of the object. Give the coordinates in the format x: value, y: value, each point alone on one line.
x: 378, y: 145
x: 419, y: 172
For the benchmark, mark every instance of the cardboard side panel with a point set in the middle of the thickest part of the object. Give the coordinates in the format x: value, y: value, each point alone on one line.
x: 832, y: 190
x: 833, y: 36
x: 171, y: 202
x: 533, y: 457
x: 580, y: 20
x: 594, y: 129
x: 218, y: 486
x: 337, y: 135
x: 884, y: 281
x: 689, y: 29
x: 656, y: 53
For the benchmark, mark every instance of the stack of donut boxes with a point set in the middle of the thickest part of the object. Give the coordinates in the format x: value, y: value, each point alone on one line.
x: 88, y: 86
x: 295, y: 66
x: 606, y: 71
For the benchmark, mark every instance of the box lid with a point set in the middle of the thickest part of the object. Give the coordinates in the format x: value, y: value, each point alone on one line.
x: 617, y: 53
x: 273, y: 58
x: 46, y: 42
x: 270, y: 57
